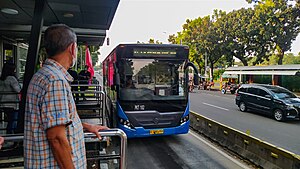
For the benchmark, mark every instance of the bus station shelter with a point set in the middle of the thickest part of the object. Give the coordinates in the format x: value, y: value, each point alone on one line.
x: 274, y: 70
x: 22, y: 23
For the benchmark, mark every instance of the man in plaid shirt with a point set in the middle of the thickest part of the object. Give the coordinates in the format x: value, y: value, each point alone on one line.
x: 53, y: 136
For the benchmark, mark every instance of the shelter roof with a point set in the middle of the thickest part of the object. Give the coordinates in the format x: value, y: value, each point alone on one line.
x: 265, y: 70
x: 90, y: 19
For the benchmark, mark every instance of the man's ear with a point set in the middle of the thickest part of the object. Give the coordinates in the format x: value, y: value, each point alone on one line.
x: 72, y: 48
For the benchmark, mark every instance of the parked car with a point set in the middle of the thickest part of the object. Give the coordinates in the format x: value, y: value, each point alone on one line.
x: 275, y: 101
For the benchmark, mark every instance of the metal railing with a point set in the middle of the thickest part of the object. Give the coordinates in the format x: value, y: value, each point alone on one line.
x: 8, y: 106
x: 90, y: 137
x: 91, y: 98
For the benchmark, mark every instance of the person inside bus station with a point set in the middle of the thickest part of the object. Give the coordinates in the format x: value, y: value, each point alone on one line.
x: 9, y: 83
x: 74, y: 89
x: 53, y: 134
x: 84, y: 76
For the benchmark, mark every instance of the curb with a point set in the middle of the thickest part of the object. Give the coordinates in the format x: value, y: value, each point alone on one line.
x: 255, y: 150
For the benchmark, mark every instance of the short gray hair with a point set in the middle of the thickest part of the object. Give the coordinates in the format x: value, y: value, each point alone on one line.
x: 57, y: 38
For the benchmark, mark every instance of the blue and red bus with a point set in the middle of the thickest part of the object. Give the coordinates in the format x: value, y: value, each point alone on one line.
x: 147, y: 89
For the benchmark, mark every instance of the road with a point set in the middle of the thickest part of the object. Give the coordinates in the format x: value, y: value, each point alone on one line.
x: 222, y: 108
x: 187, y: 151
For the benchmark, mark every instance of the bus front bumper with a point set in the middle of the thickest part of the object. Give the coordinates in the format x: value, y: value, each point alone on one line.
x: 141, y: 132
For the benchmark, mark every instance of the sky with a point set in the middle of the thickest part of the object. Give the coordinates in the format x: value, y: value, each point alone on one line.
x: 140, y: 20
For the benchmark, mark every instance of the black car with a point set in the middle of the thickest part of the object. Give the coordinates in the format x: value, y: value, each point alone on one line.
x: 275, y: 101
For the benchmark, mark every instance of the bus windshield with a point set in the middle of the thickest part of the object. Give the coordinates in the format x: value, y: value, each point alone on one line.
x: 151, y: 79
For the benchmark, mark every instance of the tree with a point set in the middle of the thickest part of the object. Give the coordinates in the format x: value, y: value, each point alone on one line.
x: 152, y: 41
x: 202, y: 37
x: 189, y: 36
x: 94, y: 51
x: 288, y: 58
x: 211, y: 41
x: 278, y: 22
x: 236, y: 33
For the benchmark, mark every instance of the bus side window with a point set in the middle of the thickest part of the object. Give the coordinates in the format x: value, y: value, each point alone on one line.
x: 116, y: 78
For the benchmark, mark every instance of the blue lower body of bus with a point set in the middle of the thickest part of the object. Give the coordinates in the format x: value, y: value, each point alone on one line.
x: 183, y: 128
x: 141, y: 132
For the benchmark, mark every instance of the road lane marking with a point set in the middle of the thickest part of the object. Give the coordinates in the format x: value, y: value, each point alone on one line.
x: 215, y: 106
x: 242, y: 165
x: 220, y: 96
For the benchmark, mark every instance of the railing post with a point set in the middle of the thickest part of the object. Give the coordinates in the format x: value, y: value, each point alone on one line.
x: 107, y: 133
x: 123, y: 137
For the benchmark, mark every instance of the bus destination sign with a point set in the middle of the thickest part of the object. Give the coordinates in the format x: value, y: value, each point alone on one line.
x: 139, y: 52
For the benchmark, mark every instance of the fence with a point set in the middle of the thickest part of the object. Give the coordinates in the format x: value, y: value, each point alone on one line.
x: 8, y: 110
x: 89, y: 138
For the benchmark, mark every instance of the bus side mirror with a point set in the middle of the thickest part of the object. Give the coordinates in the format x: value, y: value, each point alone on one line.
x: 196, y: 77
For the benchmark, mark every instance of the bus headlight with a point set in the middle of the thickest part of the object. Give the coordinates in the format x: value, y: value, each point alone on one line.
x: 126, y: 123
x: 184, y: 119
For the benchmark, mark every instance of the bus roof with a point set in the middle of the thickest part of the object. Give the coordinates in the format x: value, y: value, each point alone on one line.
x: 145, y: 45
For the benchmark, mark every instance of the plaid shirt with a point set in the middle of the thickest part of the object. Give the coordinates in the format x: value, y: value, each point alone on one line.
x: 50, y: 103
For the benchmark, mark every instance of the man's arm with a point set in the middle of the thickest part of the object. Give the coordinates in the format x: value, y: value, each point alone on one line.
x: 94, y: 129
x: 60, y: 146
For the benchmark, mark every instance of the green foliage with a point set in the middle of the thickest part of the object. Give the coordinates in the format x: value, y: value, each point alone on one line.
x: 218, y: 73
x: 95, y: 58
x: 94, y: 51
x: 278, y: 23
x: 98, y: 67
x: 265, y: 31
x: 203, y: 39
x: 291, y: 83
x: 263, y: 79
x: 152, y: 41
x: 288, y: 58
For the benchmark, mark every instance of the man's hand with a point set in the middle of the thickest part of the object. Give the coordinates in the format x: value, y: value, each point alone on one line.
x: 94, y: 129
x: 1, y: 141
